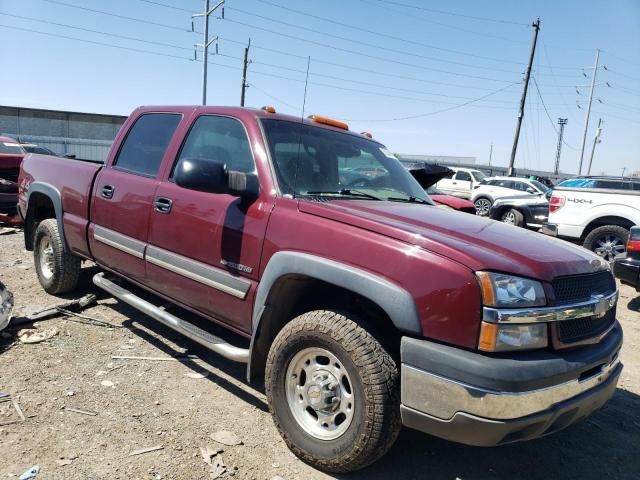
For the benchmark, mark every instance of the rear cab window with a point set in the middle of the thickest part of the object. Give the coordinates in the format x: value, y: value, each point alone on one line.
x: 146, y: 142
x: 11, y: 148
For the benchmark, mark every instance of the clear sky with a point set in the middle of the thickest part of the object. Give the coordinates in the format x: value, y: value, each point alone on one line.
x: 371, y: 61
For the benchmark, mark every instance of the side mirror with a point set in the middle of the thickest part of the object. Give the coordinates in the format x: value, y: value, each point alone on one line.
x: 530, y: 190
x: 69, y: 155
x: 548, y: 193
x: 212, y: 176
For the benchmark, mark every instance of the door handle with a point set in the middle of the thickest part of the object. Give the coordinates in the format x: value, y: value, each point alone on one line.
x: 454, y: 183
x: 162, y: 205
x: 107, y: 191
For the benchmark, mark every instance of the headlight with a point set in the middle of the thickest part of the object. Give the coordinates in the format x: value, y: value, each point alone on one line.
x: 496, y: 337
x: 501, y: 290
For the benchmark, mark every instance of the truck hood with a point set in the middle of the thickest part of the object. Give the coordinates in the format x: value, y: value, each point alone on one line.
x: 476, y: 242
x: 454, y: 202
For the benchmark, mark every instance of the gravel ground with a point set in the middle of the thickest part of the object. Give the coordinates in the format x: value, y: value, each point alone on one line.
x: 178, y: 405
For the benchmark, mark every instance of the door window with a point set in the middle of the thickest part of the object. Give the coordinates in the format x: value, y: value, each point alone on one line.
x: 222, y: 139
x: 463, y: 176
x: 142, y: 151
x: 504, y: 184
x: 520, y: 186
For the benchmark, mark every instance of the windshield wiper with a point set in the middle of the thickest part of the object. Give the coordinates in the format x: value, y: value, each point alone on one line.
x: 345, y: 192
x: 408, y: 200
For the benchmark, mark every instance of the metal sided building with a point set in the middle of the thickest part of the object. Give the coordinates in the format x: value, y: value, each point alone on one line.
x: 85, y: 135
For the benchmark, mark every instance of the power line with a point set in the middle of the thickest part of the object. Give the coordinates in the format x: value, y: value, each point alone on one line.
x: 360, y: 69
x: 377, y: 47
x: 166, y: 6
x: 267, y: 94
x: 355, y: 52
x: 96, y: 43
x: 110, y: 34
x: 102, y: 12
x: 385, y: 35
x: 443, y: 12
x: 421, y: 115
x: 535, y: 82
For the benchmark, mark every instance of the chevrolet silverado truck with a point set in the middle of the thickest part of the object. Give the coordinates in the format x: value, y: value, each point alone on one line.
x: 363, y: 306
x: 598, y: 218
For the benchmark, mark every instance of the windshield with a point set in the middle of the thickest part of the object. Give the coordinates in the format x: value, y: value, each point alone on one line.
x: 577, y: 182
x: 540, y: 186
x: 313, y: 161
x: 12, y: 148
x: 478, y: 175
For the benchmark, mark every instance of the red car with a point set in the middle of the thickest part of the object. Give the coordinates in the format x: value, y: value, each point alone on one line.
x: 362, y: 306
x: 11, y: 155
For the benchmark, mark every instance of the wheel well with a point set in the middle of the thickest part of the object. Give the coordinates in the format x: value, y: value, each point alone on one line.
x: 610, y: 220
x: 293, y: 295
x: 40, y: 208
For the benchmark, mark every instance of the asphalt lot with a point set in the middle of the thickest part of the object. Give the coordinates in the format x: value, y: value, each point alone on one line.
x: 150, y: 403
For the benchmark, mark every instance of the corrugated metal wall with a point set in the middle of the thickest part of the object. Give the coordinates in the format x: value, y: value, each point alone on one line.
x: 85, y: 135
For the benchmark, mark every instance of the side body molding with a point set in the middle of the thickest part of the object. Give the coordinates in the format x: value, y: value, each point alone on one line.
x: 394, y: 300
x: 56, y: 199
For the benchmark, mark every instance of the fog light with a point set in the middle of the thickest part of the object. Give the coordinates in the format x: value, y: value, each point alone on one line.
x: 503, y: 338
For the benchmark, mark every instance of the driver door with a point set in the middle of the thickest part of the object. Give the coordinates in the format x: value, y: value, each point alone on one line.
x: 461, y: 184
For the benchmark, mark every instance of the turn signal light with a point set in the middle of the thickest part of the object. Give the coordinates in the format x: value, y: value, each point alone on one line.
x: 633, y: 246
x: 556, y: 203
x: 329, y: 121
x: 269, y: 109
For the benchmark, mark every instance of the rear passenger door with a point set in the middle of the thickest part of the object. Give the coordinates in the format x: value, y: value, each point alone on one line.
x: 124, y: 192
x: 204, y: 248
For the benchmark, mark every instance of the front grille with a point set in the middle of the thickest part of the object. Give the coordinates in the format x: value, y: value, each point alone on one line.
x: 10, y: 174
x: 580, y: 288
x: 572, y: 331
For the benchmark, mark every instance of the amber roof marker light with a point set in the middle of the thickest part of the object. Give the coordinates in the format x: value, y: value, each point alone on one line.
x: 366, y: 134
x: 269, y: 109
x: 329, y: 121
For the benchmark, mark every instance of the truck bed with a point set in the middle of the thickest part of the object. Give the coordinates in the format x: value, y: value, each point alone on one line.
x: 73, y: 178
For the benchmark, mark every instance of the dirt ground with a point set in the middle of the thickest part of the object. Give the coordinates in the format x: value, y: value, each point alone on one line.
x: 146, y: 403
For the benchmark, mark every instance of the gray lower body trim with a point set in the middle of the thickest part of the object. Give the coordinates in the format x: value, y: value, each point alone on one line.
x: 119, y: 241
x: 197, y: 271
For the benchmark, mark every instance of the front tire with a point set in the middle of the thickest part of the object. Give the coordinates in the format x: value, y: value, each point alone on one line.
x: 333, y: 391
x: 483, y: 205
x: 58, y: 271
x: 607, y: 241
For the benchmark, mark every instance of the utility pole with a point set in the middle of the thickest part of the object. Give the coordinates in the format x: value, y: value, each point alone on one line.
x: 536, y: 29
x: 596, y: 140
x: 490, y: 153
x: 244, y: 73
x: 562, y: 122
x: 205, y: 43
x: 624, y: 169
x: 586, y: 120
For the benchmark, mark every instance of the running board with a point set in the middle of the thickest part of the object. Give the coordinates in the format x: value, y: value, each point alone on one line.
x: 187, y: 329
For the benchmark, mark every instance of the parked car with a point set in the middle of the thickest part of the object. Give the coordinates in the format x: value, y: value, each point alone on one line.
x: 607, y: 183
x: 493, y: 188
x: 597, y: 218
x: 529, y: 211
x: 33, y: 148
x: 11, y: 155
x: 363, y: 309
x: 462, y: 183
x: 627, y: 267
x: 427, y: 175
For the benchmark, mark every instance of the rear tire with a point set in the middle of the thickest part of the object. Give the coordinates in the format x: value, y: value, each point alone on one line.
x: 607, y: 241
x: 483, y: 205
x: 58, y: 271
x: 333, y: 392
x: 513, y: 217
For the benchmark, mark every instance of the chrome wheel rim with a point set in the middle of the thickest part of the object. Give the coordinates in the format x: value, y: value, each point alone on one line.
x: 609, y: 246
x: 46, y: 258
x: 509, y: 218
x: 482, y: 207
x: 319, y: 393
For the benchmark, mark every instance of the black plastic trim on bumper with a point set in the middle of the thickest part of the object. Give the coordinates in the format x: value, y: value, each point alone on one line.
x: 510, y: 372
x: 627, y: 270
x: 484, y: 432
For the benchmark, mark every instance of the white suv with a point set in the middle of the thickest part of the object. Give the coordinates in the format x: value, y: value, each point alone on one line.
x: 462, y: 183
x: 498, y: 187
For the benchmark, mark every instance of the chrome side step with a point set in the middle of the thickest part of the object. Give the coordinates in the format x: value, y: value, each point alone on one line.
x: 187, y: 329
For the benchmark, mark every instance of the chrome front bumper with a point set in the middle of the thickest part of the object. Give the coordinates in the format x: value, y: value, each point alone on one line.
x: 490, y: 400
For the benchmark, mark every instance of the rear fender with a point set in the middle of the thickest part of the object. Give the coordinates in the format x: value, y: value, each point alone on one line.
x: 53, y: 194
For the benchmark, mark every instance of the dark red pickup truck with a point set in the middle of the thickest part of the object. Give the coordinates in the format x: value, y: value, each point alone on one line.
x: 366, y: 307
